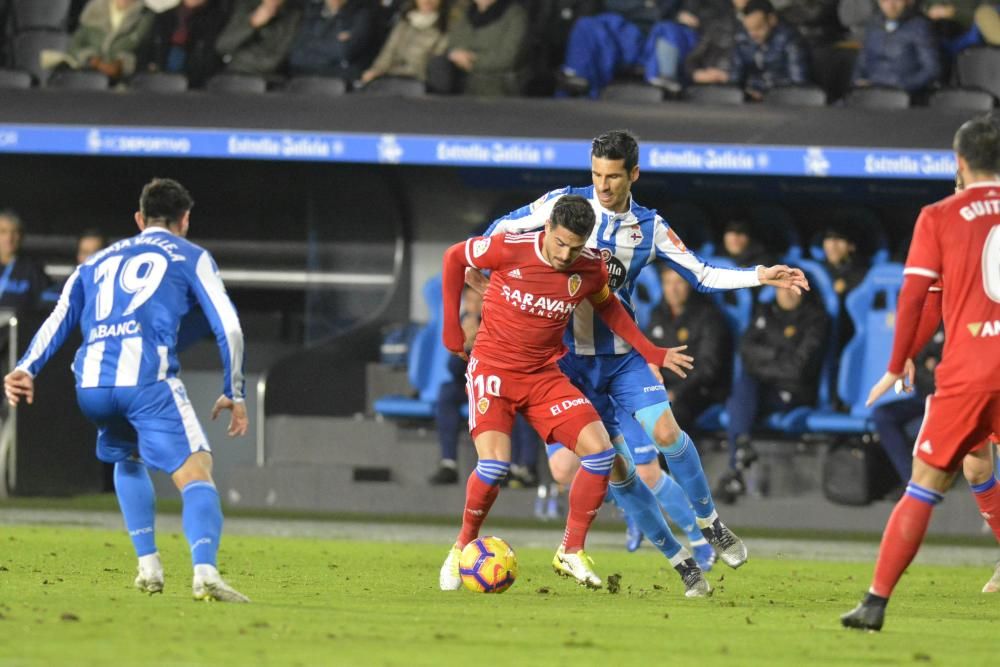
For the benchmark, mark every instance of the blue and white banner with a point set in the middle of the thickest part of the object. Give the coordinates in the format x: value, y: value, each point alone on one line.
x: 750, y: 160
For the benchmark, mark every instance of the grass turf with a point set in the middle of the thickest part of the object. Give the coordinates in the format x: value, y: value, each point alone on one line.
x: 66, y: 599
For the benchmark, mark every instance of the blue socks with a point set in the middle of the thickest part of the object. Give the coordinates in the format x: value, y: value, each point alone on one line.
x: 492, y: 471
x: 202, y: 518
x: 673, y: 499
x: 685, y: 466
x: 639, y: 503
x: 137, y: 501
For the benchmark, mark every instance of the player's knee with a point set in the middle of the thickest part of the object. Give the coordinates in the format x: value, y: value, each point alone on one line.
x: 649, y: 473
x: 593, y: 439
x: 197, y: 468
x: 976, y: 472
x: 563, y: 465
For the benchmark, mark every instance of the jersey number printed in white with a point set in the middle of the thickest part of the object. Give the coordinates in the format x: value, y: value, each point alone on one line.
x: 991, y: 264
x: 140, y: 276
x: 491, y: 385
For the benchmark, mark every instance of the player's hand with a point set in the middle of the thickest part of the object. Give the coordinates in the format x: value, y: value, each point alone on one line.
x: 655, y: 370
x: 882, y: 386
x: 238, y: 421
x: 784, y: 277
x: 676, y: 361
x: 475, y: 279
x: 905, y: 384
x: 17, y: 385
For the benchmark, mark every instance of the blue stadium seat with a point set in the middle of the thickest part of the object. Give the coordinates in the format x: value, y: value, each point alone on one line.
x: 865, y: 357
x: 427, y: 366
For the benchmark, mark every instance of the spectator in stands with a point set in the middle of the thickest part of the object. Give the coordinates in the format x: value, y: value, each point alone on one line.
x: 896, y: 422
x: 487, y: 45
x: 768, y: 52
x: 22, y: 280
x: 182, y: 41
x: 841, y: 261
x: 644, y: 36
x: 420, y: 34
x: 452, y: 395
x: 966, y: 24
x: 855, y: 15
x: 550, y: 22
x: 781, y: 354
x: 690, y: 319
x: 88, y: 242
x: 258, y: 35
x: 717, y: 22
x: 107, y: 38
x: 816, y: 20
x: 739, y: 247
x: 334, y: 39
x: 899, y: 50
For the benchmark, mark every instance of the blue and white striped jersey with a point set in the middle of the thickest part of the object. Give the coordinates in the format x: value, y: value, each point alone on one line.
x: 627, y: 242
x: 128, y: 301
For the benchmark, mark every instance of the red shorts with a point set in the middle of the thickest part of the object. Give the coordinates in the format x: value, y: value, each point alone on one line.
x: 552, y: 404
x: 954, y: 426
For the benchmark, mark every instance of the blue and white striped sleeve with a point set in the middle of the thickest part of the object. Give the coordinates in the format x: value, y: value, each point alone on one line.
x: 703, y: 276
x: 57, y: 326
x: 224, y: 321
x: 530, y: 218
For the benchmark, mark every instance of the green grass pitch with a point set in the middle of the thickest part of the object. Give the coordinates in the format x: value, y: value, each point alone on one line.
x: 66, y: 599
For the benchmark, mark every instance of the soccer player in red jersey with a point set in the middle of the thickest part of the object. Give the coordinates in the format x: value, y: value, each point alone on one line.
x: 956, y: 241
x: 538, y: 280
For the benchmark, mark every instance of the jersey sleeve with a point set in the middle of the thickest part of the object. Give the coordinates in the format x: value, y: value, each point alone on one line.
x: 703, y: 276
x: 224, y: 322
x: 56, y: 327
x: 924, y: 258
x: 485, y: 252
x: 528, y: 218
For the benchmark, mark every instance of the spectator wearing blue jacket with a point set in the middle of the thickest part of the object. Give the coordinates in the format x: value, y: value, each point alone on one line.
x: 767, y: 52
x: 334, y: 39
x: 899, y: 50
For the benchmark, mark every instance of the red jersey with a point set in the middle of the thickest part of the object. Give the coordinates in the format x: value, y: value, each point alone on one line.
x: 957, y: 242
x: 528, y: 303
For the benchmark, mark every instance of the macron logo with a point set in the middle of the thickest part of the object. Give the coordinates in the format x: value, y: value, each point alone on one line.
x: 516, y: 273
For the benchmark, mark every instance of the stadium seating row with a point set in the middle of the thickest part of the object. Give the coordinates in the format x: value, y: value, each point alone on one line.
x: 871, y: 307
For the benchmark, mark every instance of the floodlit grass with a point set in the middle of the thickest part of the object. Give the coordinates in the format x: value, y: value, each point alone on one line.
x: 66, y: 599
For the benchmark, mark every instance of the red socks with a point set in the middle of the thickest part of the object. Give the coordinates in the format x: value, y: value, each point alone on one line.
x: 479, y: 497
x: 902, y: 537
x: 585, y: 498
x: 987, y: 496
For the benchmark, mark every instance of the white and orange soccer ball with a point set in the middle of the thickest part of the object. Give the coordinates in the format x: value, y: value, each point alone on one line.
x: 487, y: 565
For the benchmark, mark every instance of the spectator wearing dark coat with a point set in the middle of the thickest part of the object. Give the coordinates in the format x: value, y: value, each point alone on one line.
x: 690, y: 319
x: 782, y: 353
x: 899, y: 50
x: 182, y: 41
x: 741, y: 248
x: 717, y: 22
x: 333, y: 39
x: 258, y: 36
x: 768, y: 52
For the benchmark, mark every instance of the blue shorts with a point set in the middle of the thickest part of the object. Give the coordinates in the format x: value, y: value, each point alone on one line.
x: 618, y: 386
x: 155, y: 421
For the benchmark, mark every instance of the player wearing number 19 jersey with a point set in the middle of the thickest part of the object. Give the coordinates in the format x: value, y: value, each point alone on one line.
x: 128, y: 301
x: 956, y: 241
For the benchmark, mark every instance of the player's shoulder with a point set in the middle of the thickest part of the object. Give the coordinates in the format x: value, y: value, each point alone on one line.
x: 590, y: 259
x: 551, y: 196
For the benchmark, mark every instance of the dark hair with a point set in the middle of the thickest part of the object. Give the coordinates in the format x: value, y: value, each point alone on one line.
x: 15, y: 219
x: 92, y: 233
x: 978, y: 143
x: 616, y: 145
x: 574, y: 213
x: 758, y: 6
x: 164, y: 200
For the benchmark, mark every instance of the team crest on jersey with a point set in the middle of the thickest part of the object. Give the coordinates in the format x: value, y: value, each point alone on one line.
x: 483, y: 404
x: 635, y: 236
x: 480, y: 247
x: 574, y: 284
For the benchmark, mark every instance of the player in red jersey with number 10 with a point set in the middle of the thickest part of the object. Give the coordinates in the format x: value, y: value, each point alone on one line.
x: 956, y: 241
x: 538, y: 280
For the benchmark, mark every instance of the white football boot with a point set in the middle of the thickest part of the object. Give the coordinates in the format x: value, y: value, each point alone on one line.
x: 150, y: 574
x: 580, y: 566
x: 993, y: 585
x: 208, y: 585
x: 449, y: 579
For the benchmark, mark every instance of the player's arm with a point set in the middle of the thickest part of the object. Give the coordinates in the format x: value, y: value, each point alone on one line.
x: 610, y: 309
x: 225, y: 324
x: 478, y: 252
x: 19, y: 383
x: 705, y: 277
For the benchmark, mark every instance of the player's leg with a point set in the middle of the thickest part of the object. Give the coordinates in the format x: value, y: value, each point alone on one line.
x: 118, y: 443
x: 685, y: 466
x: 675, y: 502
x: 951, y: 428
x: 978, y: 469
x: 563, y: 465
x: 171, y: 439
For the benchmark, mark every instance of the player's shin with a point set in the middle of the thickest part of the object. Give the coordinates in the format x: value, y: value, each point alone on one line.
x: 137, y: 501
x: 590, y: 485
x: 673, y: 499
x: 640, y: 504
x: 987, y: 497
x: 902, y: 537
x: 202, y: 519
x: 480, y: 492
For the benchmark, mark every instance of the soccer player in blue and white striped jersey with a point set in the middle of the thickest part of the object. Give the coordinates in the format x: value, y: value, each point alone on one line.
x: 128, y: 300
x: 612, y: 375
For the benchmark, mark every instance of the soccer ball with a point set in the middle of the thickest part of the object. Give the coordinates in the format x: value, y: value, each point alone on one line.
x: 488, y: 565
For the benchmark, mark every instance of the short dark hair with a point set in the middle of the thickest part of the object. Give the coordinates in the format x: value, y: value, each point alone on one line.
x: 164, y: 199
x: 574, y: 213
x: 617, y: 145
x: 15, y: 219
x: 758, y: 6
x: 978, y: 143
